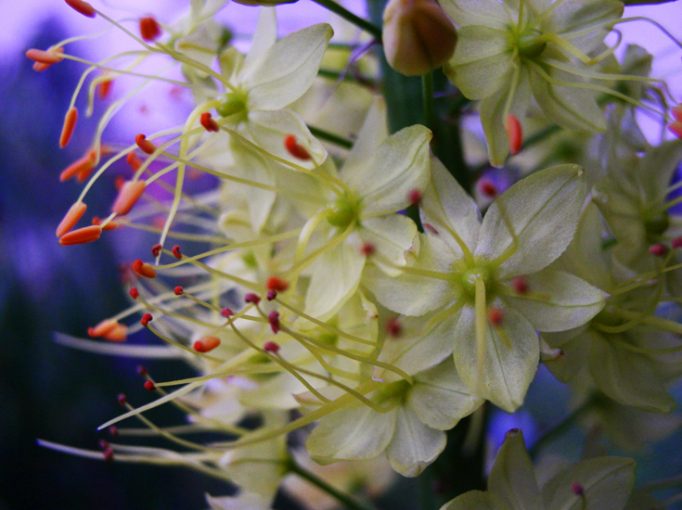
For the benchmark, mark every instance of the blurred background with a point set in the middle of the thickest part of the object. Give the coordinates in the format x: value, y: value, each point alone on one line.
x: 52, y: 392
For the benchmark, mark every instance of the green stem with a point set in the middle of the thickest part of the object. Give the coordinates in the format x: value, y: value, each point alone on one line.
x: 347, y: 501
x: 427, y: 100
x: 562, y: 427
x: 359, y: 22
x: 331, y: 137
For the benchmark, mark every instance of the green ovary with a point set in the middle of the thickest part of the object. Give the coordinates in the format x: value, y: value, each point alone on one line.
x: 234, y: 106
x: 465, y: 277
x: 343, y: 212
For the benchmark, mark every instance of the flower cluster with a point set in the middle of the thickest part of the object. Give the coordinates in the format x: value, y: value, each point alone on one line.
x: 339, y: 293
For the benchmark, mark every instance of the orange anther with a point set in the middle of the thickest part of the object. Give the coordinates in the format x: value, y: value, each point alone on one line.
x: 295, y: 149
x: 70, y: 120
x: 134, y: 161
x: 48, y: 57
x: 104, y: 88
x: 277, y: 284
x: 206, y: 344
x: 71, y: 218
x: 81, y: 236
x: 514, y: 133
x: 82, y: 7
x: 208, y: 122
x: 103, y: 328
x: 77, y: 168
x: 144, y: 144
x: 143, y: 269
x: 118, y: 334
x: 149, y: 28
x: 41, y: 66
x: 130, y: 193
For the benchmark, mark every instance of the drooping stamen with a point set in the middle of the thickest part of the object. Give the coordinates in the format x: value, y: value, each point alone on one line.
x: 156, y: 249
x: 145, y: 145
x: 71, y: 218
x: 277, y: 284
x: 251, y: 298
x: 273, y: 320
x: 42, y: 66
x: 48, y: 57
x: 368, y: 249
x: 393, y: 327
x: 146, y: 319
x: 520, y: 285
x: 134, y: 293
x: 271, y: 347
x: 206, y: 344
x: 495, y: 316
x: 81, y: 236
x: 208, y: 122
x: 295, y: 149
x: 178, y: 290
x: 69, y: 126
x: 150, y: 30
x: 414, y: 197
x: 226, y: 312
x: 130, y: 193
x: 512, y: 126
x: 143, y: 269
x: 176, y: 251
x: 658, y: 250
x: 487, y: 188
x: 82, y: 7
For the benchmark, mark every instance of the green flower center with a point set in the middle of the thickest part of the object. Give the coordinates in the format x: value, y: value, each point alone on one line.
x: 344, y: 212
x: 655, y: 224
x: 392, y: 392
x: 234, y: 106
x: 465, y: 277
x: 530, y: 43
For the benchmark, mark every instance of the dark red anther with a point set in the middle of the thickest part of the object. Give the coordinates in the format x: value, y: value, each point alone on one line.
x: 226, y: 312
x: 108, y: 455
x: 658, y: 250
x: 368, y: 249
x: 178, y: 290
x: 273, y: 320
x: 150, y: 29
x: 104, y: 88
x: 145, y: 145
x: 487, y: 188
x: 295, y: 149
x: 134, y: 293
x: 252, y: 298
x: 143, y: 269
x: 146, y: 319
x: 122, y: 399
x: 113, y: 431
x: 208, y: 122
x: 520, y: 285
x: 276, y: 283
x: 82, y: 7
x: 271, y: 347
x: 149, y: 385
x: 134, y: 161
x: 272, y: 294
x: 142, y: 371
x: 393, y: 327
x: 156, y: 249
x: 103, y: 444
x: 415, y: 197
x: 176, y: 251
x: 495, y: 316
x: 577, y: 489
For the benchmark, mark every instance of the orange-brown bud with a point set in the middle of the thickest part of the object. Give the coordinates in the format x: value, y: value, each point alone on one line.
x: 418, y: 36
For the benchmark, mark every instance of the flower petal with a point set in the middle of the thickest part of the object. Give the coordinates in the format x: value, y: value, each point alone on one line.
x: 489, y: 13
x: 414, y: 445
x: 392, y: 237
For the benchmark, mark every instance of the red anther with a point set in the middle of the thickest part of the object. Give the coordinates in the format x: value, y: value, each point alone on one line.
x: 520, y: 285
x: 122, y: 399
x: 577, y: 489
x: 119, y: 333
x: 677, y: 112
x: 676, y: 128
x: 415, y: 196
x: 113, y: 431
x: 430, y: 228
x: 252, y: 298
x: 103, y: 444
x: 86, y: 170
x: 143, y: 269
x: 102, y: 328
x: 71, y: 218
x: 295, y: 149
x: 226, y: 312
x: 178, y: 290
x: 276, y: 283
x: 128, y: 196
x: 44, y: 57
x: 273, y: 320
x: 146, y: 319
x: 108, y: 454
x: 119, y: 181
x: 487, y: 188
x: 134, y: 161
x: 156, y: 249
x: 393, y: 327
x: 41, y: 66
x: 81, y: 236
x: 658, y: 250
x: 68, y: 127
x: 676, y: 243
x: 104, y: 88
x: 271, y: 347
x: 368, y: 249
x: 83, y: 7
x: 150, y: 29
x: 145, y: 145
x: 208, y: 122
x: 134, y: 293
x: 141, y: 371
x: 514, y: 133
x: 206, y: 344
x: 495, y: 316
x: 272, y: 294
x: 149, y: 385
x: 96, y: 220
x: 176, y: 251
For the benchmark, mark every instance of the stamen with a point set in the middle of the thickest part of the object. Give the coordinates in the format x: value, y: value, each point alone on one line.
x: 146, y: 319
x: 143, y: 269
x: 130, y: 193
x: 277, y: 284
x: 71, y: 218
x: 149, y: 385
x: 145, y: 145
x: 82, y: 7
x: 272, y: 294
x: 273, y: 320
x: 514, y: 131
x: 41, y: 66
x: 134, y: 161
x: 208, y: 122
x: 226, y: 312
x: 495, y: 316
x: 113, y: 431
x: 487, y: 188
x: 122, y: 399
x: 69, y: 126
x: 150, y: 30
x: 48, y: 57
x: 295, y: 149
x: 658, y: 250
x: 118, y: 334
x: 156, y: 249
x: 81, y: 236
x: 108, y: 454
x: 271, y: 347
x: 177, y: 252
x: 102, y: 328
x: 368, y: 249
x: 520, y: 285
x: 414, y: 197
x: 178, y: 290
x: 393, y: 327
x: 206, y: 344
x: 134, y: 293
x: 577, y: 489
x: 104, y: 89
x: 252, y: 298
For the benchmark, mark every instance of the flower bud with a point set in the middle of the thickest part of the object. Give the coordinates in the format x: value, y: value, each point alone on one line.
x: 418, y: 36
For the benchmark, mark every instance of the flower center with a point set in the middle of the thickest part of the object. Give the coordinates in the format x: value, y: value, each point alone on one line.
x: 465, y: 277
x: 392, y: 392
x: 343, y: 212
x: 234, y: 106
x: 530, y: 43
